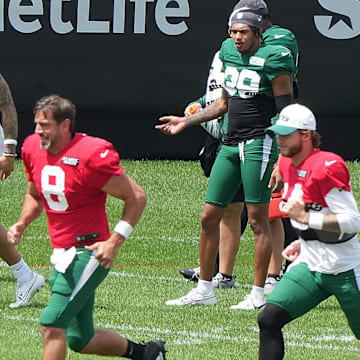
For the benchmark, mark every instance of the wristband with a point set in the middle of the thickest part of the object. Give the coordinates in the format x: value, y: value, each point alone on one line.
x: 6, y: 154
x: 316, y: 220
x: 10, y: 142
x: 123, y: 228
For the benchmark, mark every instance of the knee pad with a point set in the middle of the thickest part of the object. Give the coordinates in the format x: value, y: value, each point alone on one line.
x: 49, y: 318
x: 273, y: 316
x: 76, y: 343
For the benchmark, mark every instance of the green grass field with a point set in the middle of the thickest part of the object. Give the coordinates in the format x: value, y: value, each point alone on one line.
x: 132, y: 298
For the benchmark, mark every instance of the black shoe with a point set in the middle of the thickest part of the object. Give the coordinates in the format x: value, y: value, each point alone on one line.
x: 191, y: 274
x: 155, y: 350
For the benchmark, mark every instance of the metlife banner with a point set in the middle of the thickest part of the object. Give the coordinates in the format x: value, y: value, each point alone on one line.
x: 126, y: 62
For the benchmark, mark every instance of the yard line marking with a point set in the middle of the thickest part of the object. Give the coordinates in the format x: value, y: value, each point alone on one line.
x: 133, y: 266
x: 147, y: 277
x: 140, y: 276
x: 202, y: 337
x: 191, y: 239
x: 163, y: 278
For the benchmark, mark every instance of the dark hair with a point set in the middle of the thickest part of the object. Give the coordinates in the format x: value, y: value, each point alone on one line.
x: 61, y: 109
x: 316, y: 139
x: 267, y: 23
x: 256, y: 31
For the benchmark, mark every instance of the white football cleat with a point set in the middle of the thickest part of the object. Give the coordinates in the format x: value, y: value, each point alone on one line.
x: 270, y: 284
x: 193, y: 297
x: 249, y: 303
x: 221, y: 282
x: 27, y: 290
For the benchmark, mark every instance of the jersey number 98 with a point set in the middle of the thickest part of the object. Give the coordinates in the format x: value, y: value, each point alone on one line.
x: 246, y: 82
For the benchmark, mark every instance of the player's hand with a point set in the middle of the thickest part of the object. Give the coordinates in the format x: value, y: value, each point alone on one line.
x: 292, y: 251
x: 295, y: 209
x: 173, y: 125
x: 6, y: 166
x: 15, y: 233
x: 107, y: 250
x: 276, y: 180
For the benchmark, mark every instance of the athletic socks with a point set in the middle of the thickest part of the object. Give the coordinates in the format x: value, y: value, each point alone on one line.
x: 257, y: 292
x: 204, y: 287
x: 22, y: 272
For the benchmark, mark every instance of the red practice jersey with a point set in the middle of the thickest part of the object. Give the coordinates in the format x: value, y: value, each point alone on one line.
x: 274, y: 207
x: 69, y: 184
x: 320, y: 172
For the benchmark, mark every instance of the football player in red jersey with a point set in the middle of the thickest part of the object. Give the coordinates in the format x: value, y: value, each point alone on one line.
x: 70, y: 175
x: 326, y: 257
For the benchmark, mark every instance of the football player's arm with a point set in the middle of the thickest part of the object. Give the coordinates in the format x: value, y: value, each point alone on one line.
x: 282, y: 87
x: 134, y: 197
x: 31, y: 210
x: 345, y: 216
x: 175, y: 124
x: 10, y: 127
x: 276, y: 180
x: 212, y: 127
x: 195, y: 106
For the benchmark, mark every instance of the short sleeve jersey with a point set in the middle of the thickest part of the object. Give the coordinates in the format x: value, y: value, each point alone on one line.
x: 247, y: 80
x: 70, y: 183
x: 315, y: 176
x: 277, y: 35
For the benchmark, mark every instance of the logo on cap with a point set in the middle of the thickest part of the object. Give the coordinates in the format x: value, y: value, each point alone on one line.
x: 283, y: 118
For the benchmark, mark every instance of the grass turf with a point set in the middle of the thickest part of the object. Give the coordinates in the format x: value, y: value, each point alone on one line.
x: 132, y: 298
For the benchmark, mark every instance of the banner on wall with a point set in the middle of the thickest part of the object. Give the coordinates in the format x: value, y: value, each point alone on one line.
x: 124, y: 63
x: 53, y: 13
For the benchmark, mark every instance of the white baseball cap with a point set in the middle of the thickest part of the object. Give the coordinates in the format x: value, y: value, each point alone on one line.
x: 294, y: 117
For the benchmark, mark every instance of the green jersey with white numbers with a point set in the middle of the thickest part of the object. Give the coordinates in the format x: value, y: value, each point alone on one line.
x: 247, y: 81
x: 277, y: 35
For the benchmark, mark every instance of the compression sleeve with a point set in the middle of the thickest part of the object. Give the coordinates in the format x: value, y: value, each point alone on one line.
x: 343, y: 204
x: 282, y: 101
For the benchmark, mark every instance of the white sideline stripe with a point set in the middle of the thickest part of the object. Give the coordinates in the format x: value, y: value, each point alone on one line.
x: 163, y: 278
x: 147, y: 277
x: 193, y: 337
x: 143, y: 277
x: 322, y: 347
x: 191, y: 239
x: 194, y: 240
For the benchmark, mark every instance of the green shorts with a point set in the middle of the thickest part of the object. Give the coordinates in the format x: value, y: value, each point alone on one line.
x: 249, y: 163
x: 72, y: 298
x: 300, y: 290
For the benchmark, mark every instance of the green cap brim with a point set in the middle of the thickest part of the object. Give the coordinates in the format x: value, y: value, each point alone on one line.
x: 281, y: 130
